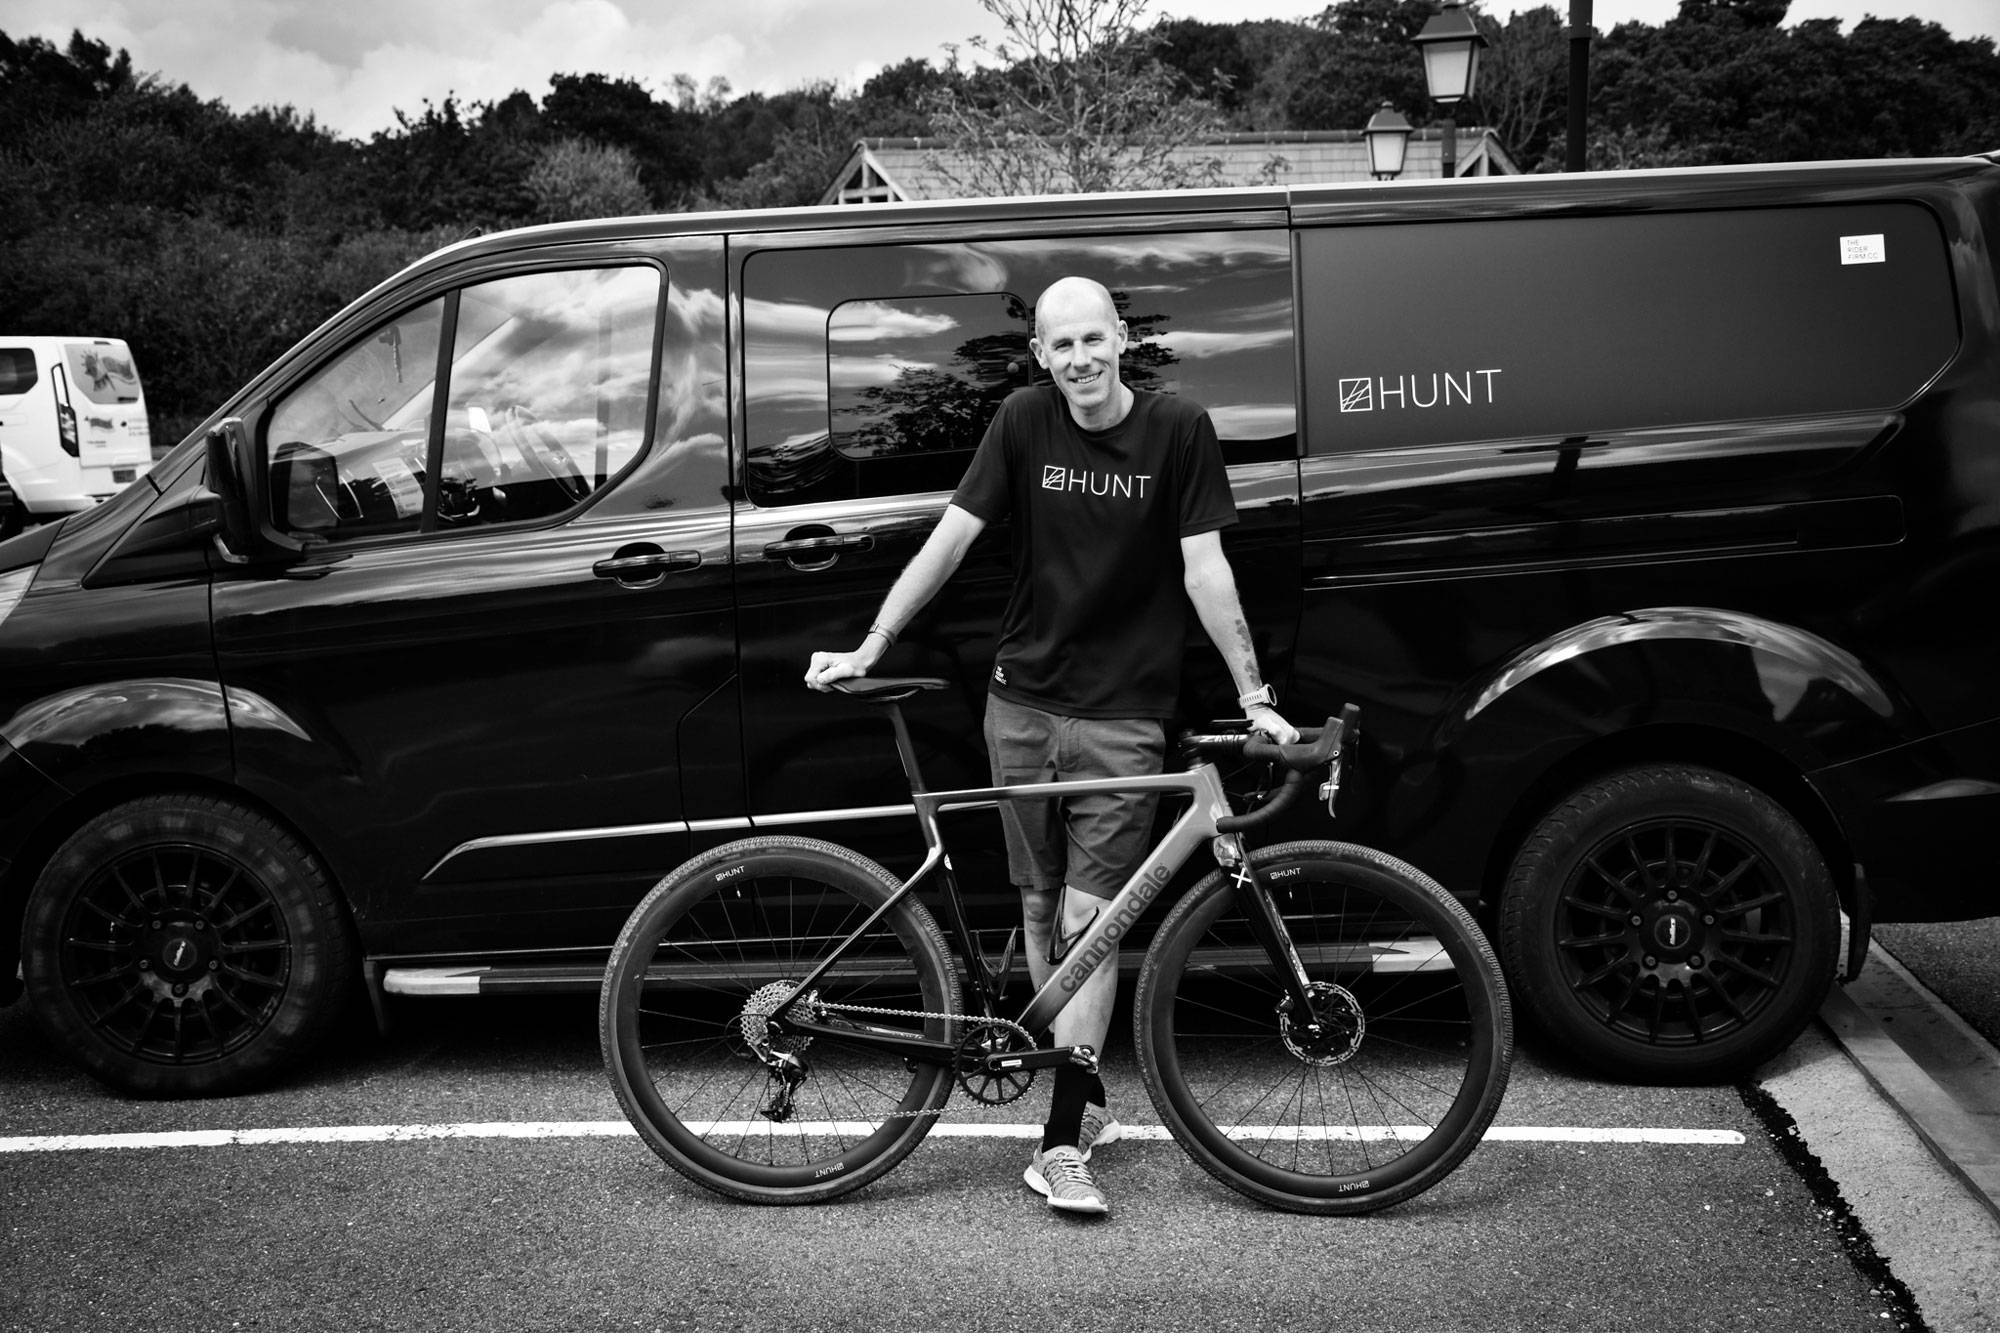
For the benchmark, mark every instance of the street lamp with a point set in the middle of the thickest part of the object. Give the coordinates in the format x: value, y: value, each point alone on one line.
x: 1388, y: 136
x: 1451, y: 43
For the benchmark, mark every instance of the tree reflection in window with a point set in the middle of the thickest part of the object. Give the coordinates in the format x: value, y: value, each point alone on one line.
x: 922, y: 375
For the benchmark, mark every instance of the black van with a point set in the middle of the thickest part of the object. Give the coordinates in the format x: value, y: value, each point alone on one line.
x: 1643, y: 514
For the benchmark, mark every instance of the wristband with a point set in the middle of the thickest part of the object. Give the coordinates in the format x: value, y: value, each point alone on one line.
x: 1263, y: 696
x: 888, y: 636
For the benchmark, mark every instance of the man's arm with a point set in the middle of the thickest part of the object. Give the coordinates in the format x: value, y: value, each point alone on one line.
x: 1211, y: 586
x: 932, y: 566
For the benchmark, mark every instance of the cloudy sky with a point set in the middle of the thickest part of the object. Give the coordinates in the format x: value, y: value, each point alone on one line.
x: 353, y: 63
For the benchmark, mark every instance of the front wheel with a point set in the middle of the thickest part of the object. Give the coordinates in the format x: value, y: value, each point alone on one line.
x: 183, y: 946
x: 694, y: 1027
x: 1376, y: 1095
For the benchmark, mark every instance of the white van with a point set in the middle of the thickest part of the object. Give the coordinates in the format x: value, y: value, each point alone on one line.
x: 73, y: 429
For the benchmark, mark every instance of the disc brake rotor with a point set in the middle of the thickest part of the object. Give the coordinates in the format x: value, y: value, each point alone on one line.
x: 1335, y: 1031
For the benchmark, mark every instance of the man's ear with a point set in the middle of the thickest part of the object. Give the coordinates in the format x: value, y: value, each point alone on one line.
x: 1041, y: 353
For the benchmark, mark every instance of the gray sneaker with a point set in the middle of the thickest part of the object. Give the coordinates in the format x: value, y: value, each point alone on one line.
x: 1099, y: 1127
x: 1059, y: 1175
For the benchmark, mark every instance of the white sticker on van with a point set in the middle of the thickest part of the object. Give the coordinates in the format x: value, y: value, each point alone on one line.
x: 1863, y: 250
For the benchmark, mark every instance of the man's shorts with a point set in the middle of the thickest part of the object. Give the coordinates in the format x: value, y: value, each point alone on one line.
x: 1092, y: 843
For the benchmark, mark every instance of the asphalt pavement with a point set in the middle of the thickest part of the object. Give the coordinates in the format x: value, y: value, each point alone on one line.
x: 582, y: 1228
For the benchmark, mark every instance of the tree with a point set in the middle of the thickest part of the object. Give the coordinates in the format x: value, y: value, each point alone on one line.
x: 1081, y: 103
x: 572, y: 179
x: 1523, y: 92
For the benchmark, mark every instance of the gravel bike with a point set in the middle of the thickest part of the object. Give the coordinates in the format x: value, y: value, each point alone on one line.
x: 1319, y: 1025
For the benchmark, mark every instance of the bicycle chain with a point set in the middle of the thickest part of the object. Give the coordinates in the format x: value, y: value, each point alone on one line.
x: 958, y: 1085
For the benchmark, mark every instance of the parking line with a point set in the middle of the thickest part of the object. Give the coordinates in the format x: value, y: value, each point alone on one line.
x: 576, y: 1129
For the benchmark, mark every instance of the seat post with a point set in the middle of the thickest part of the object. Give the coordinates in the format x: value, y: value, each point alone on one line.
x: 906, y: 749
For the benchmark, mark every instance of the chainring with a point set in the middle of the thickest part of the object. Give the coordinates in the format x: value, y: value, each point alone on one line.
x: 989, y: 1037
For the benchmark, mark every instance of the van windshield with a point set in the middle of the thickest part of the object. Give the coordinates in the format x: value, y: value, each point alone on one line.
x: 103, y: 371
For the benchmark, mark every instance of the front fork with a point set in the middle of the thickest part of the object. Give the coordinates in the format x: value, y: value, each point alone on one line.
x: 1267, y: 925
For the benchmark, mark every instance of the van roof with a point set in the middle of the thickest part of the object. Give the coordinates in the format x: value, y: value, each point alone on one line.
x: 1368, y: 200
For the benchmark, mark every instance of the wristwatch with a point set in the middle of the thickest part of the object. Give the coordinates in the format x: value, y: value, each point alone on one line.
x: 1263, y: 696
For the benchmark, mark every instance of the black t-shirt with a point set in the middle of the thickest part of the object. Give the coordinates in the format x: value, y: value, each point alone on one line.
x: 1097, y: 620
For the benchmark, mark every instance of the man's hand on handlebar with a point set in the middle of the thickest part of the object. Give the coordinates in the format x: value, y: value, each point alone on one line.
x: 1266, y: 721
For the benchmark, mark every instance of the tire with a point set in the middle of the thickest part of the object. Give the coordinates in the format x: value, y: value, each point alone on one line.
x: 1670, y: 924
x: 183, y: 946
x: 728, y: 930
x: 1389, y: 1105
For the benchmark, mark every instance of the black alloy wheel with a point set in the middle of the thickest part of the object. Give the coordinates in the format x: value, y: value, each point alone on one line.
x: 183, y: 946
x: 1670, y: 924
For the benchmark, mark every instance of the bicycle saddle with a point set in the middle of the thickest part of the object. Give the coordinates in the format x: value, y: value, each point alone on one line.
x: 886, y: 689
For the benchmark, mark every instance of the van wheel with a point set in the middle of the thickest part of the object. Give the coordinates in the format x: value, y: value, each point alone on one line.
x: 182, y: 946
x: 1670, y: 924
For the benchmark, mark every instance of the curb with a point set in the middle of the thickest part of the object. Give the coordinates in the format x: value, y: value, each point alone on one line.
x: 1940, y: 1075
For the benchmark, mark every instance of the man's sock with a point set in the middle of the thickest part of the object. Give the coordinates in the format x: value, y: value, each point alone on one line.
x: 1065, y: 1122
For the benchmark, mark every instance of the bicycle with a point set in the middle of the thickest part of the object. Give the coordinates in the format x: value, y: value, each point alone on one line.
x: 781, y: 1017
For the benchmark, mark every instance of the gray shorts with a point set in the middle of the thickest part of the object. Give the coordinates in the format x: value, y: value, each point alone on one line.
x: 1091, y: 843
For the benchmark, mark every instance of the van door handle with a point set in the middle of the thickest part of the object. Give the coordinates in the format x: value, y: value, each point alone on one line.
x: 641, y: 567
x: 829, y: 544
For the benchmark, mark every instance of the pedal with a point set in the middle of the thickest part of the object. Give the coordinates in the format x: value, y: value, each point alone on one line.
x: 1049, y: 1057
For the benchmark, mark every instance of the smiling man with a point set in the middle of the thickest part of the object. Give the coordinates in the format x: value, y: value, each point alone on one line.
x: 1118, y: 498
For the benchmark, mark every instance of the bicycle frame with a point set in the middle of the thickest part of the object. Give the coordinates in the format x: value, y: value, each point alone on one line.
x: 1208, y: 803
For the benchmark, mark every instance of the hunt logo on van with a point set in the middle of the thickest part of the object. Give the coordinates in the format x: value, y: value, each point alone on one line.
x: 1471, y: 388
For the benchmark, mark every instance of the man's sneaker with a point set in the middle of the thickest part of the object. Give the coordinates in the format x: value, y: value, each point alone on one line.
x: 1099, y: 1127
x: 1059, y: 1175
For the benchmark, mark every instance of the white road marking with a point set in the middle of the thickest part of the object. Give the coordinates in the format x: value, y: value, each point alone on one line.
x: 576, y: 1129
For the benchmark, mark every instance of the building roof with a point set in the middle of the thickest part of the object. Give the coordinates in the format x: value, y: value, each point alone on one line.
x: 894, y: 170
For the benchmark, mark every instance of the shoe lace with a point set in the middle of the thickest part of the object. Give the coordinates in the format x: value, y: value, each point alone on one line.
x: 1062, y: 1168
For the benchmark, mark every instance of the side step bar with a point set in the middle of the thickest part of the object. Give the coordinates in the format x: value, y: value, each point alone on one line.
x: 1406, y: 956
x: 546, y: 979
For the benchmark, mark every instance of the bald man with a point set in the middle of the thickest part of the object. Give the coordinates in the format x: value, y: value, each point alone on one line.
x: 1118, y: 498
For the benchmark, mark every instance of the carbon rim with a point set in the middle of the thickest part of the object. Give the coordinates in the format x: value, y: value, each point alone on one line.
x: 175, y: 954
x: 703, y: 1089
x: 1675, y: 932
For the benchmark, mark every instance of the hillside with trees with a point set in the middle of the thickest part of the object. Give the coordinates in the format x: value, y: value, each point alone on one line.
x: 211, y: 239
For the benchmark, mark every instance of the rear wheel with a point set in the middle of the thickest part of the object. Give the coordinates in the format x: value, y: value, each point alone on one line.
x: 706, y: 1067
x: 184, y: 946
x: 1376, y: 1095
x: 1671, y: 924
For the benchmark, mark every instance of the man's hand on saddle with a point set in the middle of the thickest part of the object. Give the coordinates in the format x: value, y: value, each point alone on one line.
x: 826, y: 668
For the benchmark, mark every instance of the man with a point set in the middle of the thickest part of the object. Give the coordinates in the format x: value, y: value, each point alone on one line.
x: 1118, y: 499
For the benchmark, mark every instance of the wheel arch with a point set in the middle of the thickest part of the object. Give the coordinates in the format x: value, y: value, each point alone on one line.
x: 1723, y: 750
x: 1765, y: 702
x: 35, y: 850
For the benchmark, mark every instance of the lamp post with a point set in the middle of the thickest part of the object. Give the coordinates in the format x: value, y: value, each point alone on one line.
x: 1451, y: 43
x: 1388, y: 135
x: 1579, y: 33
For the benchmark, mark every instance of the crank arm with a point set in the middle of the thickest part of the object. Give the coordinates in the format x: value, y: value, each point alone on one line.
x: 1051, y: 1058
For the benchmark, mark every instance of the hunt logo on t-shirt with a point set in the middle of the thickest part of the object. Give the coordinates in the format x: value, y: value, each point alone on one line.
x: 1056, y: 477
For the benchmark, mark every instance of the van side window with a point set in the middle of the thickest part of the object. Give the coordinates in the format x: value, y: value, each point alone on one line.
x: 914, y: 380
x: 549, y: 382
x: 17, y: 370
x: 1555, y: 327
x: 874, y: 370
x: 349, y: 447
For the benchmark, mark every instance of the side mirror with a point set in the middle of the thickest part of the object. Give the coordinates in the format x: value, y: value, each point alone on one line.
x: 229, y: 499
